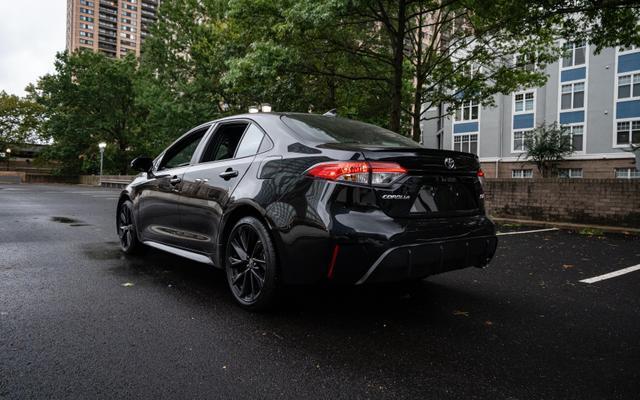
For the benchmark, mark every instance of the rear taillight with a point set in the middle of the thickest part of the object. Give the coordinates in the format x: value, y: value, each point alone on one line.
x: 481, y: 176
x: 367, y: 173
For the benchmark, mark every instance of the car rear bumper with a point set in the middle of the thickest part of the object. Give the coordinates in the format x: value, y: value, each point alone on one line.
x: 415, y: 261
x: 367, y: 247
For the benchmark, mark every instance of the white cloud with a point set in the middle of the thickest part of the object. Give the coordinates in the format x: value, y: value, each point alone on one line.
x: 31, y: 32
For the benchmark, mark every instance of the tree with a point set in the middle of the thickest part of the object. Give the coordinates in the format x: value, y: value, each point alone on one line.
x: 91, y: 98
x: 383, y: 61
x: 546, y: 145
x: 19, y: 119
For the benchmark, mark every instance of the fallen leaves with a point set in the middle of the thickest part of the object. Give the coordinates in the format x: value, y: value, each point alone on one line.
x: 460, y: 313
x: 567, y: 266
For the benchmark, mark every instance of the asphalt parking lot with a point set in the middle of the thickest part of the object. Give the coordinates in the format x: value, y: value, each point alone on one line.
x: 80, y: 320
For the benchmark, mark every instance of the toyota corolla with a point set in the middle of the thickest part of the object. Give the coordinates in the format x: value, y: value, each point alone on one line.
x: 286, y: 199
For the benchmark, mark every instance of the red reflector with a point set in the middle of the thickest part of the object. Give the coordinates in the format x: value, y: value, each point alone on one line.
x: 332, y: 264
x: 481, y: 173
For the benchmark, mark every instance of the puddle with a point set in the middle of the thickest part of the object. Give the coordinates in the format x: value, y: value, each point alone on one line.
x: 64, y: 220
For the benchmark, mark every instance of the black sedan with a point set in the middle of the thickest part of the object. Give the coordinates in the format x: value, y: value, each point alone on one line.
x: 283, y: 199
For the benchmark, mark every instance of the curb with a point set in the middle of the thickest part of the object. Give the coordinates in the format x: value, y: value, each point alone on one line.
x: 569, y: 225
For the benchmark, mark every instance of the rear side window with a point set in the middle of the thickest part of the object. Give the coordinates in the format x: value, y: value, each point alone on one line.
x: 224, y: 143
x: 250, y: 142
x: 323, y: 129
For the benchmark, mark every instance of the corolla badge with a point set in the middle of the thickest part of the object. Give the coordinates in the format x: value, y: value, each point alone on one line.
x: 396, y: 196
x: 450, y: 163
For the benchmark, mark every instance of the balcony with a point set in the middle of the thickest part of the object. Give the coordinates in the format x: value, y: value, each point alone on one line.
x: 106, y: 46
x: 109, y: 3
x: 108, y: 25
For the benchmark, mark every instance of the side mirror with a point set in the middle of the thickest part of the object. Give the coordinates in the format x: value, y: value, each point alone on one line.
x: 142, y: 164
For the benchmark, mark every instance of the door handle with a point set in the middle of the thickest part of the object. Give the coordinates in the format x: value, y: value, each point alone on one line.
x: 228, y: 174
x: 175, y: 180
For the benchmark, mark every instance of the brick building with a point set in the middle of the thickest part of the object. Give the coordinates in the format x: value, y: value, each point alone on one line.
x: 113, y: 27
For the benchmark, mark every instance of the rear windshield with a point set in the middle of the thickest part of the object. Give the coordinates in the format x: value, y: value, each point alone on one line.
x: 324, y: 129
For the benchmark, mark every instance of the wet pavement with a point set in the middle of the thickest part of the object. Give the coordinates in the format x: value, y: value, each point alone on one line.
x: 78, y: 319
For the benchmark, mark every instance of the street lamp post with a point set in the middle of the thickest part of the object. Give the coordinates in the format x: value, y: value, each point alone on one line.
x: 101, y: 146
x: 8, y: 151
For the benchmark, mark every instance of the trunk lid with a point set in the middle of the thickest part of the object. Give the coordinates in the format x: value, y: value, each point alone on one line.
x: 439, y: 183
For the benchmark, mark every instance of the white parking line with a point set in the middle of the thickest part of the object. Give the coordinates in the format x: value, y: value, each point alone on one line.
x: 611, y: 274
x: 523, y: 232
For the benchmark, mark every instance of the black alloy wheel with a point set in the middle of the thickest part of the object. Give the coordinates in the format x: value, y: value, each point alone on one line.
x: 126, y: 228
x: 250, y: 264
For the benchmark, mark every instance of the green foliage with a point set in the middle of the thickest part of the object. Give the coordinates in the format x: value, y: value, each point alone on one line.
x: 385, y: 62
x: 19, y: 119
x: 90, y: 99
x: 546, y: 145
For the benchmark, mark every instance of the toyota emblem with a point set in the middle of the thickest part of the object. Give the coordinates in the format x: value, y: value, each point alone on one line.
x: 450, y: 163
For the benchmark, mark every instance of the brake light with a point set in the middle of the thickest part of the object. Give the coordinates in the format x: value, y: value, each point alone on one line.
x: 480, y: 173
x: 367, y: 173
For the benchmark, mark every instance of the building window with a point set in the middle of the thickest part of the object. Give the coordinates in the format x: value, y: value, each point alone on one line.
x: 628, y: 132
x: 570, y: 173
x: 629, y: 86
x: 519, y: 140
x: 574, y: 54
x: 526, y: 61
x: 466, y: 142
x: 576, y: 136
x: 572, y: 96
x: 522, y: 173
x: 86, y: 3
x: 627, y: 49
x: 86, y: 10
x: 627, y: 173
x: 86, y: 34
x: 85, y: 18
x: 468, y: 111
x: 85, y: 41
x: 523, y: 102
x: 86, y: 26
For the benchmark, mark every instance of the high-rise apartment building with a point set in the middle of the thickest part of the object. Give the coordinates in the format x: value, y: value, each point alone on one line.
x: 113, y: 27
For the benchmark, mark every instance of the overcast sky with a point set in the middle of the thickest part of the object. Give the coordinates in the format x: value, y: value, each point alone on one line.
x: 31, y: 32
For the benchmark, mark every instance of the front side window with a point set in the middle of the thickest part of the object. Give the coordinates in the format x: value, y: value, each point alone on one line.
x: 523, y: 102
x: 628, y: 132
x: 574, y: 54
x: 629, y: 86
x: 467, y: 143
x: 468, y: 111
x: 181, y: 153
x: 572, y: 96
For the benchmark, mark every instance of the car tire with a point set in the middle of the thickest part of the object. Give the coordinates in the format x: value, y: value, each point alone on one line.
x: 251, y: 265
x: 126, y: 227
